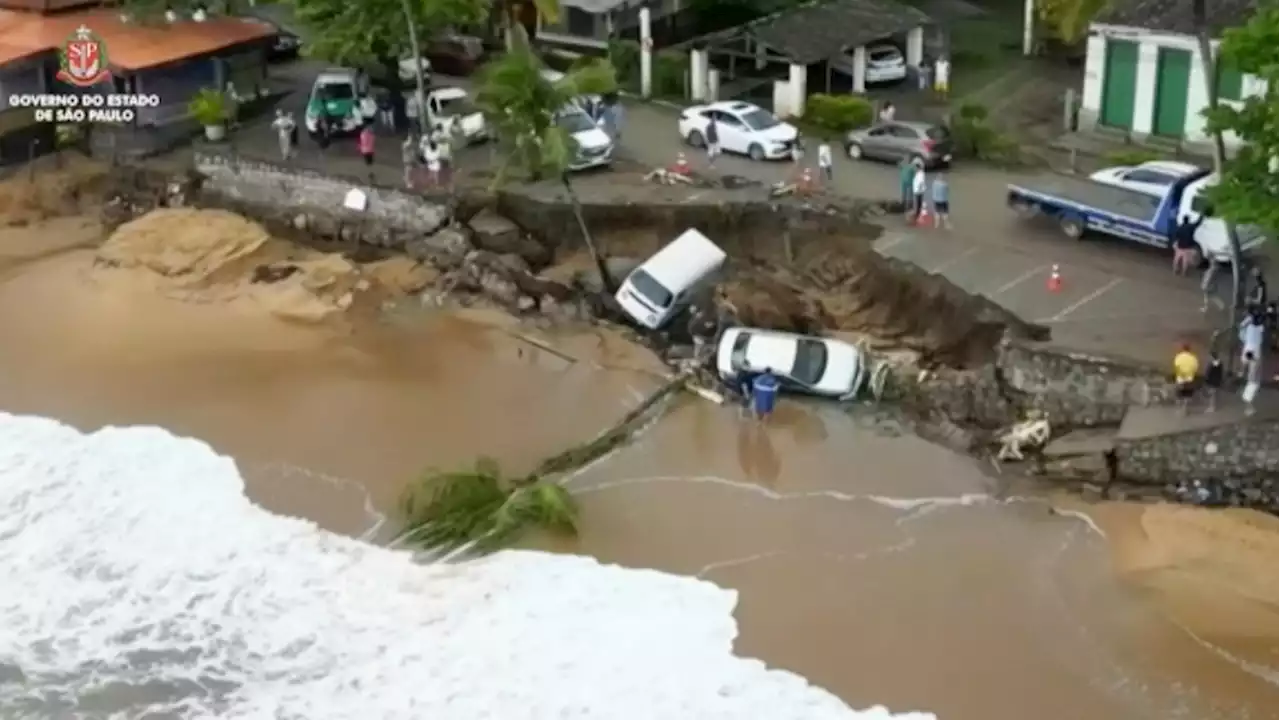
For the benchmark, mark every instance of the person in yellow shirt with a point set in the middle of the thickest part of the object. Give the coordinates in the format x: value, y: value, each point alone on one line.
x: 1186, y: 366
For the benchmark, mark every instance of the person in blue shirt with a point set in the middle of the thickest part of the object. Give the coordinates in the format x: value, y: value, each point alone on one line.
x: 941, y: 196
x: 764, y: 393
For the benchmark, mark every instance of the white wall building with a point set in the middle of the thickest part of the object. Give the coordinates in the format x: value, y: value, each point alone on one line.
x: 1143, y: 74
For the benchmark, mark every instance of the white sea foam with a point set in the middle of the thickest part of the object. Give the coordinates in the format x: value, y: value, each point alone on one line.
x: 136, y: 580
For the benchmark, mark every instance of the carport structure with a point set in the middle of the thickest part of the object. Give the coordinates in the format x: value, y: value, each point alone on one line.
x: 830, y: 31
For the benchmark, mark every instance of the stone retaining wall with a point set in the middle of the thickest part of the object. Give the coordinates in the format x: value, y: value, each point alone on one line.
x: 1246, y: 449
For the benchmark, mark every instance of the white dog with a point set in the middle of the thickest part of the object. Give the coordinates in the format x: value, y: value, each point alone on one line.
x: 1032, y: 432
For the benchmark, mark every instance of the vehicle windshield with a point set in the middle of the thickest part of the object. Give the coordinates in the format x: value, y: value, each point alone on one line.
x: 574, y: 122
x: 651, y: 289
x: 811, y: 361
x: 336, y: 91
x: 455, y: 106
x: 884, y: 54
x: 759, y: 120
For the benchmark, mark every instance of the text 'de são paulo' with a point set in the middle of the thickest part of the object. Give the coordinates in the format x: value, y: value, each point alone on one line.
x: 85, y: 107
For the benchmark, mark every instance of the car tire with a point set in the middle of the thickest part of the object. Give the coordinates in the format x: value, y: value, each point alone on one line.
x: 755, y: 152
x: 696, y: 140
x: 1072, y: 226
x: 854, y: 151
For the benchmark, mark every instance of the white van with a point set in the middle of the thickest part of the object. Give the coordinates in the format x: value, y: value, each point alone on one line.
x: 656, y: 290
x: 1211, y: 236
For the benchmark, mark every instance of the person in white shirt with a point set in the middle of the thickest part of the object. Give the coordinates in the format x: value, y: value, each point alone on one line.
x: 825, y: 161
x: 286, y: 131
x: 431, y: 158
x: 942, y: 76
x: 887, y: 112
x: 918, y: 184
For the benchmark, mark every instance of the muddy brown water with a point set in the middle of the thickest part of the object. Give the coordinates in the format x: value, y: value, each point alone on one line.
x: 874, y: 564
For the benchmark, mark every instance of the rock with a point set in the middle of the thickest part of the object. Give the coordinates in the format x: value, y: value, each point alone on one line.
x: 496, y: 234
x: 300, y: 222
x: 444, y: 249
x: 526, y: 303
x: 619, y: 268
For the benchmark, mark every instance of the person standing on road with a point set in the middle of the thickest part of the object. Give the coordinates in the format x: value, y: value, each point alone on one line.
x: 1255, y: 300
x: 1186, y: 366
x: 1251, y: 335
x: 906, y: 178
x: 919, y: 184
x: 365, y: 143
x: 409, y: 157
x: 431, y: 158
x: 1252, y: 381
x: 942, y: 76
x: 613, y: 117
x: 887, y: 113
x: 1185, y: 248
x: 1209, y: 287
x: 825, y: 162
x: 941, y: 202
x: 1214, y: 375
x: 713, y: 143
x: 286, y: 132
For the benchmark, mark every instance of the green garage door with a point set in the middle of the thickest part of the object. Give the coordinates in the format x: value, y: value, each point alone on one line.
x: 1119, y: 82
x: 1173, y: 76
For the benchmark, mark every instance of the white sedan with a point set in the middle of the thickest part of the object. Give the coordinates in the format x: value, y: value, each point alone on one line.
x: 741, y: 128
x: 1150, y: 178
x: 813, y: 365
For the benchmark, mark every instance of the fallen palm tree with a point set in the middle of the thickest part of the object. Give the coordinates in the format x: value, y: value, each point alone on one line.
x: 487, y: 510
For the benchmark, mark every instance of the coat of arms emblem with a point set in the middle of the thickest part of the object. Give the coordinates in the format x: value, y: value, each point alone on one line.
x: 83, y: 59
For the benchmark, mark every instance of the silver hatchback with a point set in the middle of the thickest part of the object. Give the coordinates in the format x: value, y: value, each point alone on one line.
x: 924, y: 143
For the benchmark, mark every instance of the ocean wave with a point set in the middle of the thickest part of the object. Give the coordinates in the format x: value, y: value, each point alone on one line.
x: 137, y: 580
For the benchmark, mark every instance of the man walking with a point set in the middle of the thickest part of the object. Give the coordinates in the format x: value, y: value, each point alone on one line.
x: 919, y: 184
x: 906, y: 178
x: 1209, y: 287
x: 825, y: 162
x: 1252, y: 381
x: 942, y: 76
x: 941, y: 202
x: 1185, y: 368
x: 286, y: 132
x: 365, y: 143
x: 409, y: 156
x: 713, y: 143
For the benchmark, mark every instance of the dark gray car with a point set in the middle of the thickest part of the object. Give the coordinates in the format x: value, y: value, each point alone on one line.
x: 925, y: 143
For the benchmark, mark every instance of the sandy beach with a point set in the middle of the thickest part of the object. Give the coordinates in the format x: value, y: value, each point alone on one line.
x: 873, y: 563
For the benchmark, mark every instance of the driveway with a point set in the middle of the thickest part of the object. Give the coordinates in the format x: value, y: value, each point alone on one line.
x: 1115, y: 297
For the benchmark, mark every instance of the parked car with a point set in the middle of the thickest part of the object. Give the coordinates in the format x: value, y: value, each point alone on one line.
x: 594, y: 147
x: 811, y: 365
x: 885, y: 64
x: 456, y: 55
x: 452, y: 108
x: 284, y: 46
x: 343, y: 95
x: 742, y: 128
x: 924, y: 143
x: 1152, y: 178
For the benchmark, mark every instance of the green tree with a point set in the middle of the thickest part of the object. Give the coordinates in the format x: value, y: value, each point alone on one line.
x: 1067, y: 21
x: 1246, y: 193
x: 521, y: 106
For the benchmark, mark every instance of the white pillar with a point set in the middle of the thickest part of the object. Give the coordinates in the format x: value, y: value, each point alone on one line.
x: 860, y: 69
x: 1197, y: 101
x: 915, y: 47
x: 713, y: 85
x: 796, y: 83
x: 646, y: 54
x: 1144, y: 91
x: 698, y: 66
x: 762, y: 58
x: 1028, y: 26
x: 1095, y: 62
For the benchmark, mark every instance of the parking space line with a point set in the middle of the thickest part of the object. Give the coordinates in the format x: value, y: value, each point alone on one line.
x: 1083, y: 301
x: 955, y: 260
x: 1019, y: 280
x: 892, y: 241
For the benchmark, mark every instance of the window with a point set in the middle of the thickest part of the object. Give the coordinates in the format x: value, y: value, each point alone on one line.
x: 811, y: 361
x: 1230, y: 82
x: 759, y: 120
x: 651, y: 289
x: 730, y: 120
x: 738, y: 356
x: 1148, y: 176
x: 574, y: 121
x: 903, y: 132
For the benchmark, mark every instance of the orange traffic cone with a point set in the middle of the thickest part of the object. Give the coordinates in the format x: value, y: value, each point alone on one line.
x: 682, y: 165
x: 1054, y: 283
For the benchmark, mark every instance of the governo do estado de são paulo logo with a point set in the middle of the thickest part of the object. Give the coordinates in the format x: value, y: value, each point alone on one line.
x: 83, y: 63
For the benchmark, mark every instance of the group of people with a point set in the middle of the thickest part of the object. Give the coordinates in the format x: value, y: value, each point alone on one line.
x: 1256, y: 330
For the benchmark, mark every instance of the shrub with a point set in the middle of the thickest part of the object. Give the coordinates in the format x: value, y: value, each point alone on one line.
x: 209, y: 107
x: 1131, y: 156
x: 670, y: 68
x: 625, y: 56
x: 838, y: 113
x: 974, y: 138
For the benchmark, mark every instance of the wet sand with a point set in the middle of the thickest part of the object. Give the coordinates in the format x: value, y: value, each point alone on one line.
x: 852, y: 571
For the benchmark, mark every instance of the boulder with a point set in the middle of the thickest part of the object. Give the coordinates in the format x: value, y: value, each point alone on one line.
x: 497, y: 234
x: 444, y: 249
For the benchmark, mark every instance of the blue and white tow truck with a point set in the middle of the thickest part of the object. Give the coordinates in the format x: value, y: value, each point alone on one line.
x: 1080, y: 205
